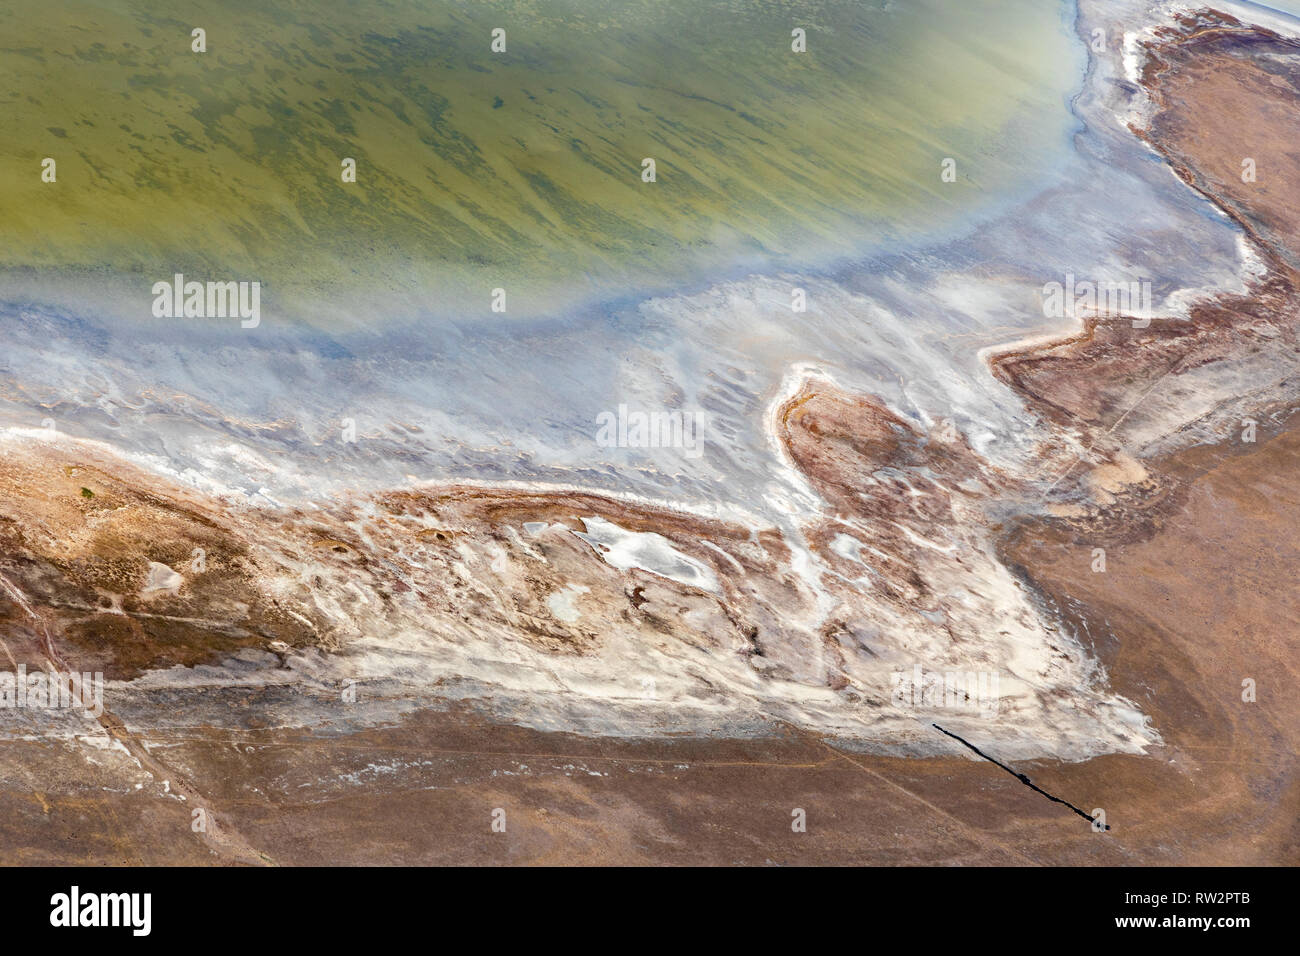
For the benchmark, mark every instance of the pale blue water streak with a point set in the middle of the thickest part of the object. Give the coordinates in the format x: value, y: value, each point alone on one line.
x: 519, y: 399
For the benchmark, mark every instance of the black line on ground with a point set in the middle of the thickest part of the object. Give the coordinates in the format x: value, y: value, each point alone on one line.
x: 1020, y: 776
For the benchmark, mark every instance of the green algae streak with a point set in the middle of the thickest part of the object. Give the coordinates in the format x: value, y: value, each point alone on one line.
x: 519, y: 169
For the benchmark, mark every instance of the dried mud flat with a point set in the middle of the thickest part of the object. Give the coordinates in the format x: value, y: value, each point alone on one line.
x: 1197, y: 597
x: 1189, y: 610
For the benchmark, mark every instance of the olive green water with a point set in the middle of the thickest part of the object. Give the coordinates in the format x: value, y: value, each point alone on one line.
x: 519, y: 169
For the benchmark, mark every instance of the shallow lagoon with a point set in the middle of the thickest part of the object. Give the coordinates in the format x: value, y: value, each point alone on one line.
x: 519, y: 169
x: 375, y: 318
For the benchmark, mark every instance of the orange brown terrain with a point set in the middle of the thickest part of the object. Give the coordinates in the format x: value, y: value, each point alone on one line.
x: 368, y: 680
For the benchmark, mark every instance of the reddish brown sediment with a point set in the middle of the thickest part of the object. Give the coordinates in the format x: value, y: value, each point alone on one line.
x: 1222, y: 790
x: 1198, y: 594
x: 1205, y: 600
x: 1198, y: 597
x: 526, y: 590
x: 77, y: 533
x: 838, y: 440
x: 1095, y: 377
x: 462, y: 558
x: 1224, y: 94
x: 84, y: 561
x: 1214, y: 102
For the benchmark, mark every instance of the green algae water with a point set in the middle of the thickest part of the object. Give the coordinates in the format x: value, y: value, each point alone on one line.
x: 520, y: 169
